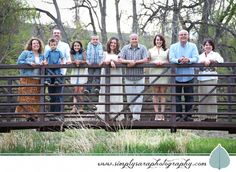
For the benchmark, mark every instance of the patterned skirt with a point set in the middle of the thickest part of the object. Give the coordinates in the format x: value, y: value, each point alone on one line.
x: 28, y: 98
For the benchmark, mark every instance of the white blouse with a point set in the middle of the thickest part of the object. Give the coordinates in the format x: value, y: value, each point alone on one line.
x: 210, y: 56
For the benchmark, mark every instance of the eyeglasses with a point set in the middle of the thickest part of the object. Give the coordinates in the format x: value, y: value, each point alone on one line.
x: 183, y: 34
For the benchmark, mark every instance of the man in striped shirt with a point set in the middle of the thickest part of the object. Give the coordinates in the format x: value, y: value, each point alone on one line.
x: 132, y: 55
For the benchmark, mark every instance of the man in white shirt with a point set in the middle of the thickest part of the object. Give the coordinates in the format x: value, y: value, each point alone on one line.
x: 65, y: 50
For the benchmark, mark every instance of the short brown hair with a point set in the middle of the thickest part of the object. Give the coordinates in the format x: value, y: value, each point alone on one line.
x: 52, y: 40
x: 209, y: 41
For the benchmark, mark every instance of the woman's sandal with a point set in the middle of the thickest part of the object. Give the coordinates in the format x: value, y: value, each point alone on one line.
x: 74, y: 109
x: 159, y: 118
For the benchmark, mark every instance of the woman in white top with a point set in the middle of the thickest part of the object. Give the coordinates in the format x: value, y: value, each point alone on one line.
x: 208, y: 57
x: 111, y: 58
x: 159, y: 56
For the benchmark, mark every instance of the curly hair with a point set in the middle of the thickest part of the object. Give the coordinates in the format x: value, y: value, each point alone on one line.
x: 117, y: 50
x: 28, y: 45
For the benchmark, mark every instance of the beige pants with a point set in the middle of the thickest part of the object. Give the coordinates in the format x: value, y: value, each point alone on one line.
x: 208, y: 99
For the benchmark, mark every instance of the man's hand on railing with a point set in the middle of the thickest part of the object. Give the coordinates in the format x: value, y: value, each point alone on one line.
x: 131, y: 63
x: 184, y: 60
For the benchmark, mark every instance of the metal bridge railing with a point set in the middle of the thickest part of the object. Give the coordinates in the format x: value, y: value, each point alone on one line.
x: 92, y: 117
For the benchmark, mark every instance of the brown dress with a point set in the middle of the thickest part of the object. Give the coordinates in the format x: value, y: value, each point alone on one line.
x: 28, y: 99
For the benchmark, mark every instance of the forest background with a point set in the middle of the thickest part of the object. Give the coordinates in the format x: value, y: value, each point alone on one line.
x: 21, y: 19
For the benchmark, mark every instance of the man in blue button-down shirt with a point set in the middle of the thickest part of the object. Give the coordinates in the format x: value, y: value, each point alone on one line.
x: 184, y: 52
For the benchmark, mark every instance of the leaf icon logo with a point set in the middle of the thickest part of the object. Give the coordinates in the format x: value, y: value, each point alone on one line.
x: 219, y: 157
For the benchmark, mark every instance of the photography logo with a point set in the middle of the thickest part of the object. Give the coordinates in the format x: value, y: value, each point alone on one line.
x: 219, y: 158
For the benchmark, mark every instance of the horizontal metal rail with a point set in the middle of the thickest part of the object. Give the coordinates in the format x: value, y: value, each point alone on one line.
x: 91, y: 117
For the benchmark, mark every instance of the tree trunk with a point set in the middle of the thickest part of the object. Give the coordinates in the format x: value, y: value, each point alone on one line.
x: 77, y: 17
x: 118, y: 16
x: 164, y: 17
x: 206, y: 13
x: 135, y: 17
x: 59, y: 22
x: 92, y: 21
x: 103, y: 7
x: 175, y: 22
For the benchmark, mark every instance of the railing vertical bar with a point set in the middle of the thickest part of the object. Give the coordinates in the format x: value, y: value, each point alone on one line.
x: 42, y: 97
x: 107, y: 90
x: 173, y: 99
x: 230, y: 90
x: 9, y: 98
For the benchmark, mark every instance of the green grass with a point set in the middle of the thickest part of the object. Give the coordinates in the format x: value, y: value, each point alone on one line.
x: 89, y: 141
x: 202, y: 145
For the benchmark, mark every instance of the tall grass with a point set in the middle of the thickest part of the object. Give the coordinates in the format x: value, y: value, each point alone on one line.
x: 89, y: 141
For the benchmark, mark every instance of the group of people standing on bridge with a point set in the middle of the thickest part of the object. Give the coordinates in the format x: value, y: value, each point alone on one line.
x: 132, y: 54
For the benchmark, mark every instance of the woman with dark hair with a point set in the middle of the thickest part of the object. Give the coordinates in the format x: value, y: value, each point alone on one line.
x: 209, y: 56
x: 159, y: 56
x: 32, y: 55
x: 78, y: 56
x: 111, y: 58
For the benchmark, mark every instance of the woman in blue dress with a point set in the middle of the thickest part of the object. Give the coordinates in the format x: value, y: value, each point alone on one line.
x: 78, y: 57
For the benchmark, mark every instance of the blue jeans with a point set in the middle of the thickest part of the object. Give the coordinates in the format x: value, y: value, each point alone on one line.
x: 92, y: 78
x: 188, y: 98
x: 56, y: 98
x: 54, y: 71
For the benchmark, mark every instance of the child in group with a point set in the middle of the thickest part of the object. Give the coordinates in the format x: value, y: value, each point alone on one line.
x: 78, y: 56
x: 94, y: 57
x: 53, y: 56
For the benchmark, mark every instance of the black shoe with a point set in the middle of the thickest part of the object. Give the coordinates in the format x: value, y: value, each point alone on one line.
x: 55, y: 118
x: 208, y: 120
x: 179, y: 118
x: 188, y: 118
x: 47, y: 83
x: 86, y: 91
x: 96, y: 91
x: 94, y: 108
x: 135, y: 120
x: 56, y: 83
x: 31, y: 119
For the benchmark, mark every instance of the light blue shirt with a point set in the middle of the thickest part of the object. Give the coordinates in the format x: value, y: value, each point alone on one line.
x: 78, y: 56
x: 27, y: 57
x: 94, y: 53
x: 53, y: 56
x: 190, y: 51
x: 65, y: 50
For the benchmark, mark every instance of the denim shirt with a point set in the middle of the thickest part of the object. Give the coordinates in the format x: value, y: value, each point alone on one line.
x: 54, y: 56
x: 94, y: 53
x: 27, y: 57
x: 78, y: 56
